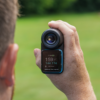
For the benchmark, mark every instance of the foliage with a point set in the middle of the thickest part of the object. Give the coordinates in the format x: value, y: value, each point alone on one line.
x: 87, y: 5
x: 56, y: 6
x: 44, y: 6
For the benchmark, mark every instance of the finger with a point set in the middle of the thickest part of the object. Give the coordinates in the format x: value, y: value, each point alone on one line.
x: 76, y: 34
x: 74, y: 29
x: 69, y: 38
x: 37, y: 53
x: 70, y: 26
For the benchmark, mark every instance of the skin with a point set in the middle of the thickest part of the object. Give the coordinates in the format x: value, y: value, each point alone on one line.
x: 8, y: 16
x: 7, y: 72
x: 74, y: 82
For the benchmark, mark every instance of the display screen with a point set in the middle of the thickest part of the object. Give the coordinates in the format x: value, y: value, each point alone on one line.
x: 51, y: 60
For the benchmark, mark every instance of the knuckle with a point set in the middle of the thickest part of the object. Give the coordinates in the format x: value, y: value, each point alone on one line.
x: 74, y: 28
x: 76, y: 54
x: 81, y: 53
x: 60, y: 25
x: 59, y: 20
x: 75, y: 57
x: 71, y: 33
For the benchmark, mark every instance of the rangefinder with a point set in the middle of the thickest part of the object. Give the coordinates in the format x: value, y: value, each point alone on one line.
x: 52, y: 51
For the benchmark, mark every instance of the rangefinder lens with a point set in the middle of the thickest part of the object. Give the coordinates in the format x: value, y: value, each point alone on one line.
x: 52, y: 51
x: 50, y: 38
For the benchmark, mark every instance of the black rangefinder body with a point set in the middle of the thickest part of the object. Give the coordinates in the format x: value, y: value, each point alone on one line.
x: 52, y: 52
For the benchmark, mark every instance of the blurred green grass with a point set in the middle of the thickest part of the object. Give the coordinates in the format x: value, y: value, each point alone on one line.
x: 31, y: 84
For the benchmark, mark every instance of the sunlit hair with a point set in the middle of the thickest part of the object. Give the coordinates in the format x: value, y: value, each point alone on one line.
x: 8, y: 15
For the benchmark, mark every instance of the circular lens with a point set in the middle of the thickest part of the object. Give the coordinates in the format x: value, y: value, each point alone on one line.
x: 50, y: 38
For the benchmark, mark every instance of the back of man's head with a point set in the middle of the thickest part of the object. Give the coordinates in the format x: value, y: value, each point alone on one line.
x: 8, y: 50
x: 8, y: 12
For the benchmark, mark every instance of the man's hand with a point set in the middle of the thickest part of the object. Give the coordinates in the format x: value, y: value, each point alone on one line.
x: 74, y: 81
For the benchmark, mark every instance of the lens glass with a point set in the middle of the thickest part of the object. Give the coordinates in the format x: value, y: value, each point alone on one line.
x: 50, y: 38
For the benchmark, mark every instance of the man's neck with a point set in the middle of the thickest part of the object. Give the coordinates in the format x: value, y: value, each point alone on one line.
x: 5, y: 92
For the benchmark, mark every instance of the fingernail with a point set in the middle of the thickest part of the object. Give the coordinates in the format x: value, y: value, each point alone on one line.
x: 52, y: 22
x: 35, y: 52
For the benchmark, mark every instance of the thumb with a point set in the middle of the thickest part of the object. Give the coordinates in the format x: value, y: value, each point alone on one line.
x: 37, y: 53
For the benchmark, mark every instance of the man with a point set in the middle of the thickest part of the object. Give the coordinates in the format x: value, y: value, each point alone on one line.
x: 8, y: 50
x: 74, y: 82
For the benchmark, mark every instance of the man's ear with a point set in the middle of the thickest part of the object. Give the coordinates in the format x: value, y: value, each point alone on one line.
x: 7, y: 64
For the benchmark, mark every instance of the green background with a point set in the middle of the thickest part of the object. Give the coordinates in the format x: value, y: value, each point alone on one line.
x: 31, y: 83
x: 57, y: 6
